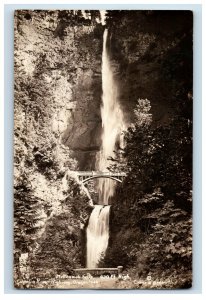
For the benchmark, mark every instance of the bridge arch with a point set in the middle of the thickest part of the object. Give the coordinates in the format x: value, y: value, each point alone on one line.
x: 85, y: 176
x: 100, y: 176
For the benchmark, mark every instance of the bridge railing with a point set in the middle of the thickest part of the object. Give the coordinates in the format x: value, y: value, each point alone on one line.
x: 98, y: 173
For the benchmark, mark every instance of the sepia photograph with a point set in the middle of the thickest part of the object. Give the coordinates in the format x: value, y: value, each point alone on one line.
x: 103, y: 139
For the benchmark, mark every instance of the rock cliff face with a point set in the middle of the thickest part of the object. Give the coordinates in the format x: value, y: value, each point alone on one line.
x: 84, y: 127
x: 62, y: 64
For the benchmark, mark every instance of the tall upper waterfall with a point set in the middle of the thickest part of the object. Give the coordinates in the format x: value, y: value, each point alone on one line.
x: 112, y: 126
x: 112, y: 122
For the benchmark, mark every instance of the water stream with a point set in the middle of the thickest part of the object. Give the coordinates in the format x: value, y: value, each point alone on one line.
x: 112, y: 126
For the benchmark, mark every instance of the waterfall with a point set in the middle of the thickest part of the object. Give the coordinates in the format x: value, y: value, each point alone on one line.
x: 112, y: 122
x: 112, y: 127
x: 97, y: 234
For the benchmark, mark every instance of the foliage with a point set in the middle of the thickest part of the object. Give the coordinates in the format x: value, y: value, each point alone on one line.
x: 143, y: 117
x: 155, y: 197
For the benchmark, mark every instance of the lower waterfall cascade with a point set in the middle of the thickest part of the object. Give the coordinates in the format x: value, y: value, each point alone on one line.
x: 97, y: 234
